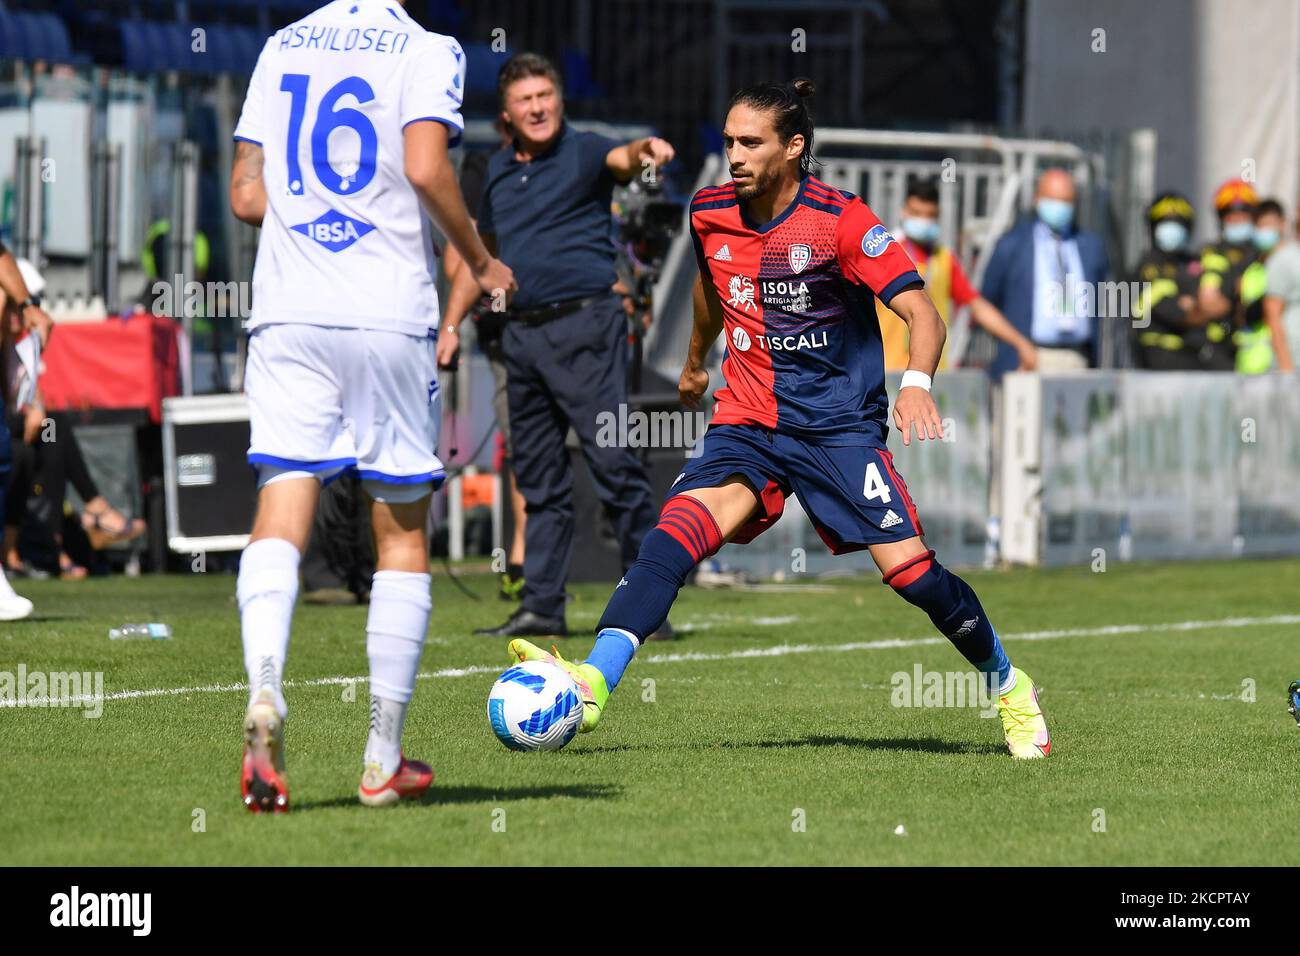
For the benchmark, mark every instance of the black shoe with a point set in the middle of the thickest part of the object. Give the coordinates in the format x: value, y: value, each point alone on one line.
x: 25, y: 569
x: 665, y: 633
x: 524, y: 623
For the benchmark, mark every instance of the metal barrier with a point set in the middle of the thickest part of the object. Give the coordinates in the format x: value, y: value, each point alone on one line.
x: 1129, y: 465
x: 29, y: 194
x: 1095, y: 467
x: 105, y: 212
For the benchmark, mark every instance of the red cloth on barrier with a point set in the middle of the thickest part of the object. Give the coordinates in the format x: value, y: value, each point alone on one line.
x: 117, y: 363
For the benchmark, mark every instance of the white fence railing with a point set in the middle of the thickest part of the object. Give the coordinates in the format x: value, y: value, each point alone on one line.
x: 1092, y: 467
x: 1149, y: 466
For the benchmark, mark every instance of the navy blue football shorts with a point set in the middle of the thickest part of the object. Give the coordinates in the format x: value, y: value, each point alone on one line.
x: 852, y: 493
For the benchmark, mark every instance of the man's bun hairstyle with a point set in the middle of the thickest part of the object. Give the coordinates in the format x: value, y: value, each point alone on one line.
x: 790, y: 114
x: 803, y: 86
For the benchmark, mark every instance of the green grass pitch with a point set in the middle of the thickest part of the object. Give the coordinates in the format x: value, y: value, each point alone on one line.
x: 711, y: 752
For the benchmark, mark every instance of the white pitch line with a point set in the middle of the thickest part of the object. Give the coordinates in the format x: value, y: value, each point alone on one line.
x: 232, y: 688
x: 780, y: 650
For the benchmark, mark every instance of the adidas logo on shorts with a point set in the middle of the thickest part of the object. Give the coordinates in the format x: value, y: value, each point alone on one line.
x: 890, y: 519
x: 723, y: 254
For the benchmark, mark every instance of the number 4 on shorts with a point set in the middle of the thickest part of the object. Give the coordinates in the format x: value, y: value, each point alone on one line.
x: 875, y: 487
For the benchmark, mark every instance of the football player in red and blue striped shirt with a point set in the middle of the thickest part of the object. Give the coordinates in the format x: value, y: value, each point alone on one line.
x: 790, y: 271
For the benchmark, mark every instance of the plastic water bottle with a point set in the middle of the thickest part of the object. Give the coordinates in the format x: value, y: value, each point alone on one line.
x: 141, y: 632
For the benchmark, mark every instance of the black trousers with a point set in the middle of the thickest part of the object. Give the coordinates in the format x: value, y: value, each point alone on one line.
x: 42, y: 472
x: 1169, y: 360
x: 560, y: 374
x: 1219, y: 357
x: 340, y: 553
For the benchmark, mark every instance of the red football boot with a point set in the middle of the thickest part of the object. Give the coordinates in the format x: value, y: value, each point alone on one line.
x: 410, y: 782
x: 262, y: 782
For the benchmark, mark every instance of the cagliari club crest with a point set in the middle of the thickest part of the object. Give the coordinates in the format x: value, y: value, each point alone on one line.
x: 800, y: 256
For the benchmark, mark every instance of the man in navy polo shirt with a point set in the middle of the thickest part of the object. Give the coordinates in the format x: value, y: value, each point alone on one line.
x: 546, y: 213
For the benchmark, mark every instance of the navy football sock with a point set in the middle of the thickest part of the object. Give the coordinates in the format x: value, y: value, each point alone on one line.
x: 685, y: 535
x: 954, y: 609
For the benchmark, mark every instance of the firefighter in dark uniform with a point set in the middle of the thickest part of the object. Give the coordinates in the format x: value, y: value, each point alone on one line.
x: 1223, y: 264
x: 1168, y: 331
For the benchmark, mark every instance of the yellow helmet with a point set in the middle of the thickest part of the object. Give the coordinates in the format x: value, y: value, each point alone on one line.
x: 1171, y: 205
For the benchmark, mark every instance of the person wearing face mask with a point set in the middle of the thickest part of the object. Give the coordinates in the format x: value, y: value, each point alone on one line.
x: 947, y: 283
x: 1254, y: 340
x: 1044, y: 276
x: 1167, y: 326
x: 1223, y: 264
x: 1282, y: 301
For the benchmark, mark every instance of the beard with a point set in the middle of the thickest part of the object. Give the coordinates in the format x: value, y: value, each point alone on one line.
x: 758, y: 185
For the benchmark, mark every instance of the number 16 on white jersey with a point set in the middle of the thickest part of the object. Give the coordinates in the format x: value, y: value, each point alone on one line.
x: 345, y: 241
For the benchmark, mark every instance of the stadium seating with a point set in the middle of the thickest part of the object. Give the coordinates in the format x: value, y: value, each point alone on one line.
x: 579, y: 77
x: 481, y: 72
x: 35, y: 36
x: 445, y: 16
x: 149, y: 46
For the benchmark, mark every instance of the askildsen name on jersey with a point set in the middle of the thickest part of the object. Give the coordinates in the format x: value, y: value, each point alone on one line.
x: 326, y: 39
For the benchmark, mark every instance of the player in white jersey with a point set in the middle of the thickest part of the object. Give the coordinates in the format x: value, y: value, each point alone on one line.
x: 341, y: 150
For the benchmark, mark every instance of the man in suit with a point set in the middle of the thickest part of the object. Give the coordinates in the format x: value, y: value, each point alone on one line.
x: 1044, y: 276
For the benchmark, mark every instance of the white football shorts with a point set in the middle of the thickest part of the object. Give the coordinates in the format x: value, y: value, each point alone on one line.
x: 324, y: 400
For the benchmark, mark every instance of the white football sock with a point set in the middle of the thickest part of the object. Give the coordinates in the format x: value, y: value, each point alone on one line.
x: 266, y: 590
x: 398, y: 621
x: 384, y: 745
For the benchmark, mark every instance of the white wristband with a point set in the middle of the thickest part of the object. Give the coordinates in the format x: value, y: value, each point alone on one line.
x: 912, y: 377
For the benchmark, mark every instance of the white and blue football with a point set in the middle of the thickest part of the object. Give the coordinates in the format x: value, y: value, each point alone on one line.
x: 535, y: 705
